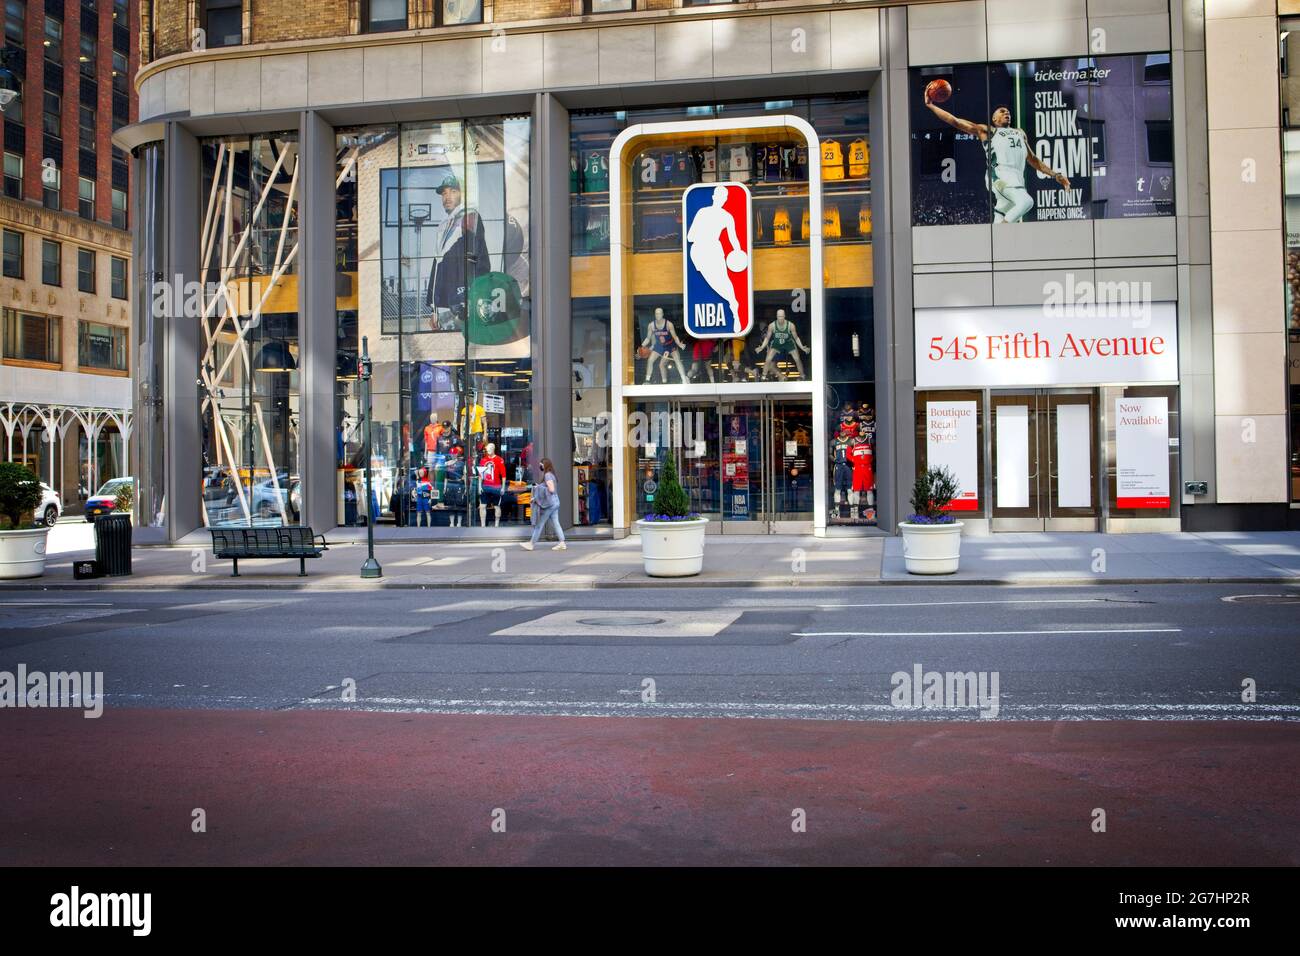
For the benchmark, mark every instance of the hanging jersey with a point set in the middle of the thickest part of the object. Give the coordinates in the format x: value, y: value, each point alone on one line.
x: 862, y: 456
x: 859, y: 159
x: 738, y: 164
x: 800, y: 168
x: 787, y: 163
x: 477, y: 420
x: 596, y: 172
x: 781, y: 227
x: 492, y: 470
x: 831, y: 222
x: 772, y: 163
x: 804, y: 226
x: 864, y: 220
x: 832, y: 160
x: 682, y: 168
x: 782, y: 339
x: 597, y: 230
x: 1006, y: 150
x: 705, y: 159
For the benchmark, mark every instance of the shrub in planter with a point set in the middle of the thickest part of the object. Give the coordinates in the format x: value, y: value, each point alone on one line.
x: 672, y: 536
x: 124, y: 498
x: 931, y: 535
x: 20, y: 493
x: 22, y: 543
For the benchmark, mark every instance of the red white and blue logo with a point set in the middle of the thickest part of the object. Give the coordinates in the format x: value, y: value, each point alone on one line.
x: 716, y: 260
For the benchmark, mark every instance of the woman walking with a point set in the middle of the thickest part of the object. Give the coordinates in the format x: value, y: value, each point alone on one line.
x: 546, y: 506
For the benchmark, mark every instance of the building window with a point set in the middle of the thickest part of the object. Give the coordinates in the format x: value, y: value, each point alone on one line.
x: 223, y: 22
x: 1160, y: 142
x: 51, y: 262
x: 86, y: 271
x: 33, y: 338
x: 16, y: 21
x: 51, y: 190
x: 1156, y: 69
x: 117, y: 286
x: 86, y: 128
x: 85, y: 198
x: 52, y: 120
x: 53, y: 40
x: 119, y: 208
x: 89, y: 55
x: 120, y: 67
x: 101, y: 346
x: 609, y: 6
x: 454, y: 12
x: 381, y: 16
x: 13, y: 175
x: 704, y: 3
x: 13, y: 254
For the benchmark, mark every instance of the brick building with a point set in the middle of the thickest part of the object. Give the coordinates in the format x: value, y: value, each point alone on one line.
x: 65, y: 388
x: 997, y: 236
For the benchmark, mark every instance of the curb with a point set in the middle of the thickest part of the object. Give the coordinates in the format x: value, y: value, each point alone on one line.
x: 271, y: 583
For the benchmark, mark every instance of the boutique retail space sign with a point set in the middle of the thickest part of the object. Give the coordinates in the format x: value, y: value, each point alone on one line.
x: 1033, y: 346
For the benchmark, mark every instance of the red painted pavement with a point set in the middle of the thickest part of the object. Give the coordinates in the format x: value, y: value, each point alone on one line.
x: 302, y: 787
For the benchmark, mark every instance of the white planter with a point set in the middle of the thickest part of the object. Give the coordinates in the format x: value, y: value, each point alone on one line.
x: 931, y: 548
x: 22, y: 553
x: 672, y: 549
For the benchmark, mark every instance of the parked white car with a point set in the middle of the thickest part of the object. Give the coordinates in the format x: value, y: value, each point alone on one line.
x: 51, y: 506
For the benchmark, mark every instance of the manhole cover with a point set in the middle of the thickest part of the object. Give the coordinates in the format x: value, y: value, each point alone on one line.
x: 627, y: 620
x: 1263, y: 599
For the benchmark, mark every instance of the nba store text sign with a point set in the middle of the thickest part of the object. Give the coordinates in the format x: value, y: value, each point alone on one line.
x: 717, y: 280
x: 1029, y: 346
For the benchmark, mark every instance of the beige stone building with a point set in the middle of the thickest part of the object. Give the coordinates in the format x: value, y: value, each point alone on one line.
x: 1050, y: 245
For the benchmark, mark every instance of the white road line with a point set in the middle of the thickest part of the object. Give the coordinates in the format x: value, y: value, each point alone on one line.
x: 970, y: 603
x: 1114, y: 630
x: 52, y: 604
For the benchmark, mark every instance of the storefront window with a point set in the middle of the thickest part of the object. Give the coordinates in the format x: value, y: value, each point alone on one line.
x: 432, y: 271
x: 950, y: 435
x: 778, y: 349
x: 248, y: 373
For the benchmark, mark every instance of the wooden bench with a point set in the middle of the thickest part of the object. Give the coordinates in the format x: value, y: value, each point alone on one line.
x: 236, y: 543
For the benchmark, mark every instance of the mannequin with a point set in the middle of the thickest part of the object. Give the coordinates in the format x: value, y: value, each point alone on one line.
x: 842, y: 474
x: 492, y: 476
x: 663, y: 341
x: 780, y: 338
x: 737, y: 347
x: 432, y: 432
x: 862, y: 457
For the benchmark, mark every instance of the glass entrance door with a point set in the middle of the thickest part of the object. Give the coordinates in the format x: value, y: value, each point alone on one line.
x: 1044, y: 453
x: 745, y: 465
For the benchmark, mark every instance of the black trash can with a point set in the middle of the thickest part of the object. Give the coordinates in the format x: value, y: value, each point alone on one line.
x: 113, y: 544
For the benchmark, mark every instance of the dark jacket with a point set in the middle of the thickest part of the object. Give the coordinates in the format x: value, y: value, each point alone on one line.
x: 463, y: 262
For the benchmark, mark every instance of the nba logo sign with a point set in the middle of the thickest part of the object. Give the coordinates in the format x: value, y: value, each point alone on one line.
x: 717, y: 277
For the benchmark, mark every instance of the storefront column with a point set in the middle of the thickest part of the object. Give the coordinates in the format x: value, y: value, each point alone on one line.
x: 549, y: 280
x: 891, y: 209
x: 184, y: 337
x: 317, y: 333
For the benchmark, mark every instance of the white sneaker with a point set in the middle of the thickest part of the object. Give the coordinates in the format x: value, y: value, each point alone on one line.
x: 560, y: 547
x: 527, y: 545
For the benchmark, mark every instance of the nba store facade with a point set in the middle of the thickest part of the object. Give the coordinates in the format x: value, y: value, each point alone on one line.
x: 985, y: 235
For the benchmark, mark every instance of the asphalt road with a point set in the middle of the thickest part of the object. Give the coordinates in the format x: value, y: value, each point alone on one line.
x: 1158, y: 652
x: 519, y: 728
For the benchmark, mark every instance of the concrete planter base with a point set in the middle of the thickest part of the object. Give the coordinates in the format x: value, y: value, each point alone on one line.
x: 931, y: 548
x: 22, y: 553
x: 672, y: 549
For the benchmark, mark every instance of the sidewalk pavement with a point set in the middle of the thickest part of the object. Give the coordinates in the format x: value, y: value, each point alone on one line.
x: 730, y: 561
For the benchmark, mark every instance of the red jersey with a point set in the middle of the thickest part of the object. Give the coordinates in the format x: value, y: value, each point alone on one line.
x: 492, y: 469
x: 431, y: 436
x: 864, y: 469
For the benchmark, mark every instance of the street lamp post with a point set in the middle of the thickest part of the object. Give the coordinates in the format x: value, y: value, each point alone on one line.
x: 371, y: 568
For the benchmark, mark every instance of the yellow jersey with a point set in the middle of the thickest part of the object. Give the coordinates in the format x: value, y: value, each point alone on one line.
x: 864, y: 220
x: 831, y: 222
x: 832, y: 160
x: 804, y: 226
x: 477, y: 420
x: 781, y: 227
x: 859, y: 159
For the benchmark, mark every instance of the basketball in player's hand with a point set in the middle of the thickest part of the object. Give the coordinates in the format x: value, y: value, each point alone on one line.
x: 643, y: 352
x: 938, y: 91
x: 736, y: 260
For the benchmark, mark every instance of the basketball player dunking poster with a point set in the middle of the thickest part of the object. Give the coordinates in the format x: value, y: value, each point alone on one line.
x: 1006, y: 149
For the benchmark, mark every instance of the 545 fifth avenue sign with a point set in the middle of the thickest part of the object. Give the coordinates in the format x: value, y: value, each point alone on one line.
x: 1029, y: 346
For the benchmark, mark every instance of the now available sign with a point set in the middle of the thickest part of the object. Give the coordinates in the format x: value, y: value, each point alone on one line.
x: 1037, y: 346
